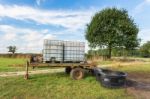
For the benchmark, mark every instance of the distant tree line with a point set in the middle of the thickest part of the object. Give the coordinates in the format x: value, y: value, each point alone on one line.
x: 145, y: 49
x: 142, y: 51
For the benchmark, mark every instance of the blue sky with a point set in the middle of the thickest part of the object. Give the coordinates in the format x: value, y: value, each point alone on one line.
x: 25, y: 23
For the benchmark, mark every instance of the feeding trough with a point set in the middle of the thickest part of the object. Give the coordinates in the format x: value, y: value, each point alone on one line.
x: 111, y: 79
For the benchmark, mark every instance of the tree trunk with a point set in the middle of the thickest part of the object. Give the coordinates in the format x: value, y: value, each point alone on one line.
x: 12, y: 54
x: 109, y: 51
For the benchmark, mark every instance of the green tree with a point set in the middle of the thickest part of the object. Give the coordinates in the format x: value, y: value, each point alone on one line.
x: 145, y: 49
x: 12, y: 49
x: 112, y: 28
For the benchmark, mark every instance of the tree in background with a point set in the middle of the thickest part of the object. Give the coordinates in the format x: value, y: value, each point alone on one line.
x: 12, y: 49
x: 112, y: 28
x: 145, y: 49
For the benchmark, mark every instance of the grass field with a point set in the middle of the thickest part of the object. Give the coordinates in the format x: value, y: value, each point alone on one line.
x: 5, y: 64
x: 56, y: 86
x: 60, y: 86
x: 140, y: 65
x: 13, y: 65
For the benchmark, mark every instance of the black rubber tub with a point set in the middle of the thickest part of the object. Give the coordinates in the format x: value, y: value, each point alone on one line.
x: 110, y: 79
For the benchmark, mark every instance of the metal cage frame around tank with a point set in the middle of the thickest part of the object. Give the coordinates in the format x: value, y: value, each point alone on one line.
x: 72, y: 51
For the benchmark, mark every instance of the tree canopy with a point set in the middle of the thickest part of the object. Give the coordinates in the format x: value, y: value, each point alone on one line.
x: 110, y: 28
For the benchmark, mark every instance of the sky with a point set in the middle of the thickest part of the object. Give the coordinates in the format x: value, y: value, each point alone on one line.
x: 26, y: 23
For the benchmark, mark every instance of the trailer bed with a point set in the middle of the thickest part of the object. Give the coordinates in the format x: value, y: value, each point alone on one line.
x: 74, y: 67
x: 86, y: 65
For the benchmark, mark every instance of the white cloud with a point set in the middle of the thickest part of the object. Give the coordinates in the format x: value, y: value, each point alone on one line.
x: 32, y: 40
x: 68, y: 19
x: 45, y: 31
x: 27, y: 40
x: 139, y: 8
x: 9, y: 36
x: 147, y: 0
x: 144, y: 34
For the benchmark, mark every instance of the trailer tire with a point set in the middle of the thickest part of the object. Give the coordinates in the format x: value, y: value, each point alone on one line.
x: 68, y: 70
x: 77, y: 73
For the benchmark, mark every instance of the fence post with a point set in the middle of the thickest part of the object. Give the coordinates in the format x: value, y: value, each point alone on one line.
x: 27, y: 73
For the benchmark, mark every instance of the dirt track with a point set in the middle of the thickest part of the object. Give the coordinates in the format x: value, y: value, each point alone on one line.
x: 10, y: 74
x: 139, y: 85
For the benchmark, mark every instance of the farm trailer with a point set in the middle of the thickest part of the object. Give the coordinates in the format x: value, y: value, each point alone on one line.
x: 76, y: 70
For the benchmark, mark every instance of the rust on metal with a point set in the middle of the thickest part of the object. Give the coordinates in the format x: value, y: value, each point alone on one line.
x: 85, y: 65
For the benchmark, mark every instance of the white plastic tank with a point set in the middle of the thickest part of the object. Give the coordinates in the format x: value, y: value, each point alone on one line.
x: 63, y: 51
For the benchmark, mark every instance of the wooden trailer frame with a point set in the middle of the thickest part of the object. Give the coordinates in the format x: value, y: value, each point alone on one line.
x: 83, y: 65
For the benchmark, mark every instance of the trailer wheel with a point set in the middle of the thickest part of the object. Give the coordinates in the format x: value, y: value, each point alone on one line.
x: 77, y: 73
x: 68, y: 70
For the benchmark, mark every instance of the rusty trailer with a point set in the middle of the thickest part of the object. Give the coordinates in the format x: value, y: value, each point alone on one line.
x: 76, y: 70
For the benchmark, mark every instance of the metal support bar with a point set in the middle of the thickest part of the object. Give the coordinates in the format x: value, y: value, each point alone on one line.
x: 27, y: 73
x: 63, y: 53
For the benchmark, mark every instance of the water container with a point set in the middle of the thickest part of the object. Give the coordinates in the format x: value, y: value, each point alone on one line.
x: 63, y: 51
